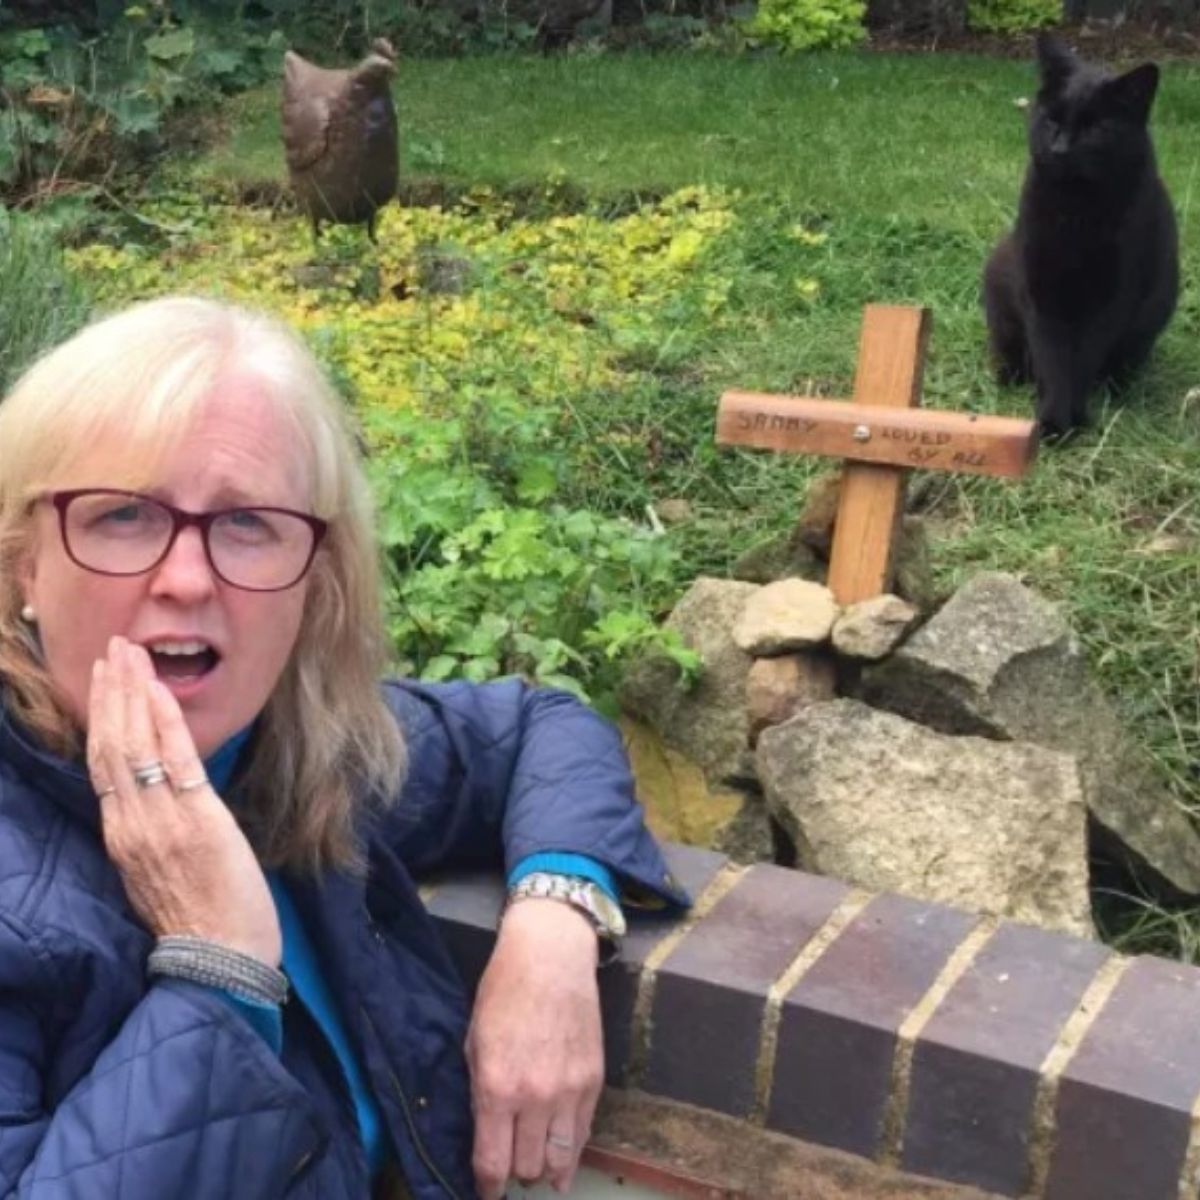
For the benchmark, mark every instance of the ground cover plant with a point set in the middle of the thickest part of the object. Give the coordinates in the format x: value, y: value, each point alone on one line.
x: 536, y: 359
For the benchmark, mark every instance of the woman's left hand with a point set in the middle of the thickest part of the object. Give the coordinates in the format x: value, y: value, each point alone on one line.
x: 535, y: 1048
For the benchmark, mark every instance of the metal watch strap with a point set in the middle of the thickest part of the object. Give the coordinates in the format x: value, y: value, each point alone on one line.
x: 568, y: 889
x: 199, y: 960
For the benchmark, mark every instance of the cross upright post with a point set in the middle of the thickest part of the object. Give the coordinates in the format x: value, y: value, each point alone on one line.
x: 883, y: 434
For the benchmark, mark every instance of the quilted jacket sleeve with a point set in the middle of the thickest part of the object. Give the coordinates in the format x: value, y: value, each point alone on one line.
x: 501, y: 770
x: 185, y: 1100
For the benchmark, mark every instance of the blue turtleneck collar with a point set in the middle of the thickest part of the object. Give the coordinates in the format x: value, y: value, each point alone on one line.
x: 220, y: 764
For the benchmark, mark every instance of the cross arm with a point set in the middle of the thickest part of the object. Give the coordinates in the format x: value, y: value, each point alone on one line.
x: 901, y: 437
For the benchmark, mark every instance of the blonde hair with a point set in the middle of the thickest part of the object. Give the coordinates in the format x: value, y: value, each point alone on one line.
x: 325, y: 739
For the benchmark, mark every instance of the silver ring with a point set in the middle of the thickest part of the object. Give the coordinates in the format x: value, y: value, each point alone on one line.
x: 190, y: 785
x: 562, y: 1143
x: 148, y: 774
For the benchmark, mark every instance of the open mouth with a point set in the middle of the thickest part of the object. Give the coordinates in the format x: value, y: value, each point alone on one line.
x: 182, y: 660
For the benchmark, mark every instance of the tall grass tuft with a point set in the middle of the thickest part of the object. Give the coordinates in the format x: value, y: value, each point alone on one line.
x: 40, y: 303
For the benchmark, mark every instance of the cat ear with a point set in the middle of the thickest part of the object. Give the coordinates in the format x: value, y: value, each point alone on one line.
x: 1056, y: 59
x: 1132, y: 94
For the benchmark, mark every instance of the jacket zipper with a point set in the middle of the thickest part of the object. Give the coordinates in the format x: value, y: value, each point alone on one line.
x: 422, y: 1153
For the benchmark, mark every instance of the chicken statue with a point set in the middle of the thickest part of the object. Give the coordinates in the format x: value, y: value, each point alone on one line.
x: 339, y: 137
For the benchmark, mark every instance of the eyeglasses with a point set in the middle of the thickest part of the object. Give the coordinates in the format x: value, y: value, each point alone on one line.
x: 257, y: 549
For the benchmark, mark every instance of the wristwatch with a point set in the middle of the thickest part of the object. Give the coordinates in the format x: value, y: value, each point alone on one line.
x: 582, y: 895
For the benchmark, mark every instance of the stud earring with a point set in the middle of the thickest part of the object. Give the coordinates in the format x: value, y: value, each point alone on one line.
x: 27, y: 614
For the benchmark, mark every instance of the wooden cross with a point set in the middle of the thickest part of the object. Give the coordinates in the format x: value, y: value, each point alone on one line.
x: 885, y: 434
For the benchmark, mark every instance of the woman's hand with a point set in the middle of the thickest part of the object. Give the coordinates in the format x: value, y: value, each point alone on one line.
x: 535, y: 1048
x: 186, y: 865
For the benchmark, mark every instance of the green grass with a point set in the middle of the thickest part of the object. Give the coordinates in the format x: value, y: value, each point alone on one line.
x: 805, y: 128
x: 935, y: 136
x: 910, y: 165
x: 40, y: 304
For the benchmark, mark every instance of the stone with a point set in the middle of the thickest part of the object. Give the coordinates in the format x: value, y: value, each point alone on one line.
x: 315, y: 275
x: 674, y: 511
x: 787, y: 615
x: 1001, y: 662
x: 871, y: 629
x: 912, y: 566
x: 779, y: 557
x: 815, y: 525
x: 441, y: 272
x: 886, y: 804
x: 707, y: 723
x: 777, y: 688
x: 680, y: 804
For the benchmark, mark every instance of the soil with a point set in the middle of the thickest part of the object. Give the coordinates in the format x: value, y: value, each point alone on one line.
x: 1107, y: 41
x: 702, y: 1155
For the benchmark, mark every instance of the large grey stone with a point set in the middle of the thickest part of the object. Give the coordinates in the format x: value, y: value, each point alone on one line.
x: 888, y: 805
x: 1000, y: 661
x: 708, y: 723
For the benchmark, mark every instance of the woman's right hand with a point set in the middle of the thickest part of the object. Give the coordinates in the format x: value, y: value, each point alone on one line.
x: 186, y: 865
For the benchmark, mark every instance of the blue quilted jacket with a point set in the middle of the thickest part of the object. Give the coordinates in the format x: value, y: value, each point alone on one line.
x: 115, y: 1087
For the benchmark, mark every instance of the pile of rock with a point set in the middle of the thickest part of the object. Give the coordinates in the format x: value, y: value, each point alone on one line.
x: 955, y: 760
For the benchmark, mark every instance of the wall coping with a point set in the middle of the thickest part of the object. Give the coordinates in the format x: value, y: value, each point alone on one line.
x: 935, y: 1044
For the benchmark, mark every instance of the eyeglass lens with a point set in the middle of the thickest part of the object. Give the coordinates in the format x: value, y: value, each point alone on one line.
x: 126, y: 534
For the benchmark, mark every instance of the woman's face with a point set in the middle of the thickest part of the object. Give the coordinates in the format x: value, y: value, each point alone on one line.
x: 241, y: 451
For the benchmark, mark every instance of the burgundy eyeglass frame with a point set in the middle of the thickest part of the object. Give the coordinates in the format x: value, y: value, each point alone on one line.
x: 182, y: 519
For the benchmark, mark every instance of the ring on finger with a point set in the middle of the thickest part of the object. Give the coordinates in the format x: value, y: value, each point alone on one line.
x: 148, y: 774
x: 190, y: 785
x: 559, y: 1141
x: 105, y: 791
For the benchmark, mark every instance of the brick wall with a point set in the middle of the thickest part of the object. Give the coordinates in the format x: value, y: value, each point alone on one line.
x: 927, y: 1041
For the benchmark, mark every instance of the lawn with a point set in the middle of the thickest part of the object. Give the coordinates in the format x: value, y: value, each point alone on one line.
x: 639, y: 234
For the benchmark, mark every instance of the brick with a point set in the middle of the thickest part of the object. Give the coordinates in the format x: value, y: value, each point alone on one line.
x: 467, y: 909
x: 711, y: 991
x: 1125, y: 1099
x: 838, y: 1026
x: 975, y: 1067
x: 693, y: 869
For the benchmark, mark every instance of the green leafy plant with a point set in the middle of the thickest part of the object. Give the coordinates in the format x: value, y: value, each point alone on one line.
x: 1012, y: 16
x: 81, y: 105
x: 487, y: 575
x: 808, y: 24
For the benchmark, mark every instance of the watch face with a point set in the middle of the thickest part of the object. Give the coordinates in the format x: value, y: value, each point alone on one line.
x: 609, y: 913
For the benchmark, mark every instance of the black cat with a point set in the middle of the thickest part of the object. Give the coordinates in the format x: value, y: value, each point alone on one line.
x: 1076, y: 294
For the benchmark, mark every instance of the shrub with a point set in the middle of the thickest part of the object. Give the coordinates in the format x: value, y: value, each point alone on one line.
x: 1012, y: 16
x: 808, y: 24
x: 77, y: 106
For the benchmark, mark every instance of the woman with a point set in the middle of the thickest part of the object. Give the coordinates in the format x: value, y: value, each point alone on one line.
x: 201, y: 781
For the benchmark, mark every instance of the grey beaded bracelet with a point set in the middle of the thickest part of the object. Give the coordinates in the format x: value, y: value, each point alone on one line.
x: 201, y: 961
